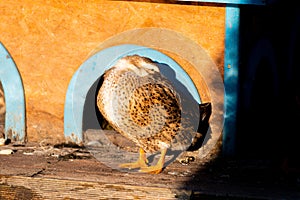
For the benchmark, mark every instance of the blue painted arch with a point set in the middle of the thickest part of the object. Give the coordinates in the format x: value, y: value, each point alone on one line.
x: 14, y: 97
x: 93, y: 68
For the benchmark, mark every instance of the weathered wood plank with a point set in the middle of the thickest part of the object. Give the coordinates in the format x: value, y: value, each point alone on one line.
x: 78, y: 164
x: 66, y: 177
x: 68, y: 173
x: 47, y: 188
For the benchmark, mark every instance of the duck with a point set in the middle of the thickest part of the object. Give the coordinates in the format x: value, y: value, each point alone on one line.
x: 143, y: 105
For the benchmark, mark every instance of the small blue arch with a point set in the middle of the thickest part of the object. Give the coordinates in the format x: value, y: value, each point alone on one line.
x: 93, y: 68
x: 14, y: 97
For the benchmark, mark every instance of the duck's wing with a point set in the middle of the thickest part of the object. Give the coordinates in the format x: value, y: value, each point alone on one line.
x: 144, y: 109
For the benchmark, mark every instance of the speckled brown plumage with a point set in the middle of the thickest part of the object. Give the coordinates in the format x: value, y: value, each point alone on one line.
x: 142, y: 105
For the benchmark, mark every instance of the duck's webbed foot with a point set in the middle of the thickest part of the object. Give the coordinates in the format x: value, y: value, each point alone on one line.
x: 156, y: 169
x: 140, y: 163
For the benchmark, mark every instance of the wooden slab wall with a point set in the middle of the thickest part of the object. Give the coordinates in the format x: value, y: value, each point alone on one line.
x: 49, y: 40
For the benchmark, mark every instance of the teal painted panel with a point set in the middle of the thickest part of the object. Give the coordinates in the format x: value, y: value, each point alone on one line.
x: 231, y: 74
x: 14, y: 97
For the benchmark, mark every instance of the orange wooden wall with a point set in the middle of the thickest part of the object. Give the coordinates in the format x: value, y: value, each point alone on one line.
x: 49, y: 40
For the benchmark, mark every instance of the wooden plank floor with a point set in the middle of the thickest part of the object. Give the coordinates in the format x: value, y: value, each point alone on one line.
x: 68, y: 172
x: 63, y: 172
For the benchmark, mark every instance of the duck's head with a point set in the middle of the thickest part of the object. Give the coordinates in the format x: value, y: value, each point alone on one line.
x: 140, y: 65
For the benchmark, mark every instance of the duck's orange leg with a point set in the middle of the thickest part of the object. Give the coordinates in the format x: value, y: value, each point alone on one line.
x: 140, y: 163
x: 156, y: 169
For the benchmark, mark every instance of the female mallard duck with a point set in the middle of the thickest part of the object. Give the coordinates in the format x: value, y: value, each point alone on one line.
x: 142, y: 105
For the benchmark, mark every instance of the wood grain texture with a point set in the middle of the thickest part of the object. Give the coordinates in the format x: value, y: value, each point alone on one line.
x: 35, y: 171
x: 17, y: 187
